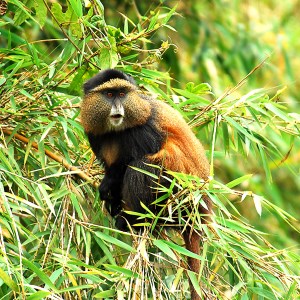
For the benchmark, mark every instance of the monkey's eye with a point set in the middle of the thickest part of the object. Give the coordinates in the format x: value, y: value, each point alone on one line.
x: 122, y: 94
x: 110, y: 94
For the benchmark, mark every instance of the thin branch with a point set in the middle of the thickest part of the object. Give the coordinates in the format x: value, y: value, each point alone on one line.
x: 54, y: 156
x: 67, y: 36
x: 228, y: 92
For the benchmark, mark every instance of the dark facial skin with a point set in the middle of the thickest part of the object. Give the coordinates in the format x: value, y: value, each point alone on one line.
x: 112, y: 94
x: 115, y: 97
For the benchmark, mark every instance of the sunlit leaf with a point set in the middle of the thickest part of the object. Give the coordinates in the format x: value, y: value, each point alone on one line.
x: 257, y: 203
x: 165, y: 248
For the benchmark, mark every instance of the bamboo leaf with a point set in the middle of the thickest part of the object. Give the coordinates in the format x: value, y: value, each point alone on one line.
x: 265, y: 163
x: 279, y: 113
x: 225, y: 136
x: 121, y: 270
x: 40, y: 274
x: 257, y: 203
x: 7, y: 280
x: 114, y: 241
x: 165, y: 248
x: 105, y: 294
x: 240, y: 129
x: 166, y: 19
x: 239, y: 180
x: 77, y: 7
x: 183, y: 250
x: 108, y: 58
x: 190, y: 95
x: 38, y: 295
x: 195, y: 282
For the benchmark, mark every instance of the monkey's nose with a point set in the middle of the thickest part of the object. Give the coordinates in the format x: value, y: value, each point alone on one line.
x: 117, y: 113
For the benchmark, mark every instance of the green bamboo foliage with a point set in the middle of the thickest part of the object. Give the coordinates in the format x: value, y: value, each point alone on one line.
x: 57, y: 241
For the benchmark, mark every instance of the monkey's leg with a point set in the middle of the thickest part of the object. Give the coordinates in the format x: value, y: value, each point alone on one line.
x: 137, y: 187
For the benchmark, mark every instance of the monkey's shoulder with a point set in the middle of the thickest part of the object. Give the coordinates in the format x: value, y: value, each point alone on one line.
x: 168, y: 118
x: 185, y: 152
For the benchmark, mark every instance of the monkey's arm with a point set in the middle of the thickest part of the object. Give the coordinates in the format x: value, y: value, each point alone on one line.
x: 176, y: 155
x: 111, y: 185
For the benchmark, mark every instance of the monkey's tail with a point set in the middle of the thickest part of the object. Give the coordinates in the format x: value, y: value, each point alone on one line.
x: 192, y: 243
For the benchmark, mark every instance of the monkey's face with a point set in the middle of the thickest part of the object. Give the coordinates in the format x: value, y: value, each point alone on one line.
x: 103, y: 111
x: 113, y: 106
x: 116, y: 99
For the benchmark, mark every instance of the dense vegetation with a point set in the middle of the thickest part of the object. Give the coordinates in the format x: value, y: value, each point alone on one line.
x: 230, y: 68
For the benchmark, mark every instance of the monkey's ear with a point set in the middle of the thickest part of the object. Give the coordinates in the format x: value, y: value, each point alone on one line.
x: 88, y: 86
x: 85, y: 88
x: 130, y: 79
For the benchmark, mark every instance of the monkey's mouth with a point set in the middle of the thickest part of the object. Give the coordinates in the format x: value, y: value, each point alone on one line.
x: 116, y: 119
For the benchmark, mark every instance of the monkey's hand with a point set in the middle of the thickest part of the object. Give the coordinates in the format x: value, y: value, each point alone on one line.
x: 121, y: 223
x: 112, y: 209
x: 112, y: 201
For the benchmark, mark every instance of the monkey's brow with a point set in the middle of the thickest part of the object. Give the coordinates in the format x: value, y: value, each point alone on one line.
x: 114, y: 83
x: 126, y: 89
x: 111, y: 90
x: 114, y: 89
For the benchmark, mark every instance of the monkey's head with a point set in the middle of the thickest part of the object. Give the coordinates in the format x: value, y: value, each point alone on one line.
x: 112, y: 102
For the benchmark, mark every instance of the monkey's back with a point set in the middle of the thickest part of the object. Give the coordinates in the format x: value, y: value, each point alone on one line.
x: 181, y: 151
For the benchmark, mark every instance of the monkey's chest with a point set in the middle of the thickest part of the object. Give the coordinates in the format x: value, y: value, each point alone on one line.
x: 123, y: 153
x: 110, y: 153
x: 134, y: 144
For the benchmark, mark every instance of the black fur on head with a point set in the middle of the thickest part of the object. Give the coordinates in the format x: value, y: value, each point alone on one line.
x: 105, y: 76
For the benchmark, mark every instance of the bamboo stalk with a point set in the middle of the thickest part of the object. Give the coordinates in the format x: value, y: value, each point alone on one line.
x: 52, y: 155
